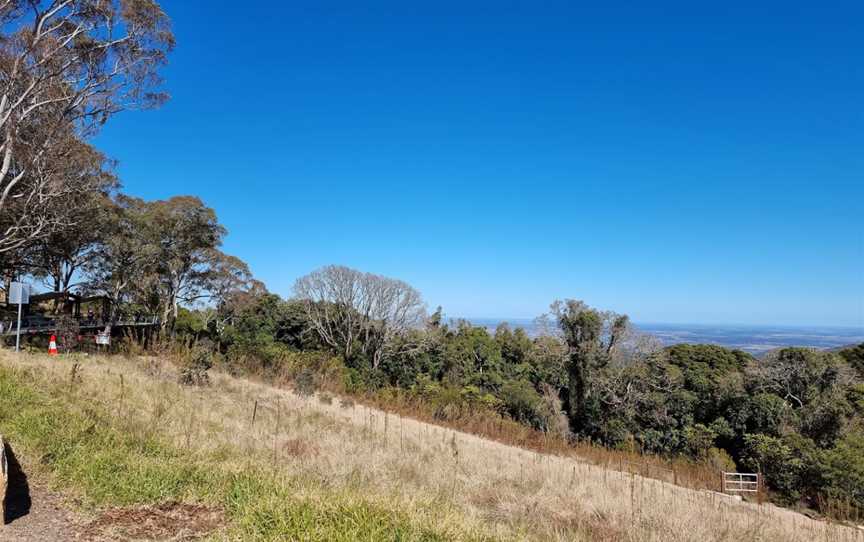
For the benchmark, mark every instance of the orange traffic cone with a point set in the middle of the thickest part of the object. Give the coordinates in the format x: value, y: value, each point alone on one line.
x: 52, y: 346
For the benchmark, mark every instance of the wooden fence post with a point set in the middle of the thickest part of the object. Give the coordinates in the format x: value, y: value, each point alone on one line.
x: 760, y: 494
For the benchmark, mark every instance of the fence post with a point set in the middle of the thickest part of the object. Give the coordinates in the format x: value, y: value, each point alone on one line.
x: 760, y: 496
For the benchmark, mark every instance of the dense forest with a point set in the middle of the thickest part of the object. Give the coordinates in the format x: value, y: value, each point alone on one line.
x: 797, y: 415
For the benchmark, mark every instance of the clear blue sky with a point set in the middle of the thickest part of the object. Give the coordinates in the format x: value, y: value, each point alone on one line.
x: 680, y: 162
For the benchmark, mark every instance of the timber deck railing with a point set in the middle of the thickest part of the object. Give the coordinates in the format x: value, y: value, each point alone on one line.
x: 40, y: 326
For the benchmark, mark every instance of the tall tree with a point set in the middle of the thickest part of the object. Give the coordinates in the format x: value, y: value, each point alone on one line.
x: 187, y: 236
x: 66, y: 66
x: 51, y: 197
x: 592, y: 339
x: 124, y: 257
x: 63, y: 255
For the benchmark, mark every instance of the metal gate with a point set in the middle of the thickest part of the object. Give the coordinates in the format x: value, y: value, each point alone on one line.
x: 741, y: 482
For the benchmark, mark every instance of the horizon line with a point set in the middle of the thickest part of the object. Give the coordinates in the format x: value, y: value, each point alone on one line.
x: 660, y: 323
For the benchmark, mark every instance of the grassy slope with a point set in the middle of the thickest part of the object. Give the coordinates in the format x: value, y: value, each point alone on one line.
x: 311, y: 470
x: 116, y: 461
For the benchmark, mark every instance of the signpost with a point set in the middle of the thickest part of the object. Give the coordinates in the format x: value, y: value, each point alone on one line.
x: 19, y: 293
x: 103, y: 338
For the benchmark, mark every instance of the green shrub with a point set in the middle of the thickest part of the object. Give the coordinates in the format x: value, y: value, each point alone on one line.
x: 193, y: 371
x: 854, y: 356
x: 698, y: 440
x: 720, y: 460
x: 523, y: 403
x: 792, y: 465
x: 844, y: 469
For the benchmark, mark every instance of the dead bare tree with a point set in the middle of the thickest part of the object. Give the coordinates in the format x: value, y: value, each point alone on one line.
x: 360, y: 312
x: 66, y: 66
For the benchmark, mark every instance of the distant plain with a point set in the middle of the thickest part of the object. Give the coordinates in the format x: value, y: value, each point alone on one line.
x: 753, y: 339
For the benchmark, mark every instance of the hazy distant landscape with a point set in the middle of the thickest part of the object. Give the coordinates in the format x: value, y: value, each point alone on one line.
x: 753, y: 339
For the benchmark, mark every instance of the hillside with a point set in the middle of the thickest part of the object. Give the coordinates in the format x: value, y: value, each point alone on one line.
x: 274, y: 465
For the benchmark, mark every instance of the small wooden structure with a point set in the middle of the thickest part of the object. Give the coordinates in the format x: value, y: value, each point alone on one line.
x: 740, y: 482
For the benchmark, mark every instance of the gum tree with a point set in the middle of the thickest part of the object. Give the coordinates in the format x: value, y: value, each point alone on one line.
x: 66, y: 66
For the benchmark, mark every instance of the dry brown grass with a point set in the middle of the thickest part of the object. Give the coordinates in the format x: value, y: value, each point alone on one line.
x: 679, y: 471
x: 509, y: 491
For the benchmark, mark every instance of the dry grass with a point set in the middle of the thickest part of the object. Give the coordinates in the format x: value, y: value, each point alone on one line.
x: 502, y: 490
x: 679, y: 471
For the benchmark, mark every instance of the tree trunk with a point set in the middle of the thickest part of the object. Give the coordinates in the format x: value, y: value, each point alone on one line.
x: 577, y: 386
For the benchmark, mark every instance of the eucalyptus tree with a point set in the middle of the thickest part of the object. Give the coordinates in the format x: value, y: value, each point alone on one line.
x: 185, y: 236
x: 62, y: 258
x: 66, y: 66
x: 124, y: 257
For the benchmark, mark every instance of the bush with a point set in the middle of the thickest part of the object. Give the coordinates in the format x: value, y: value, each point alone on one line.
x: 720, y: 460
x: 854, y: 356
x: 193, y: 372
x: 523, y: 403
x: 551, y: 412
x: 68, y: 332
x: 774, y: 459
x: 698, y: 440
x: 844, y: 470
x: 792, y: 465
x: 450, y: 403
x: 304, y: 383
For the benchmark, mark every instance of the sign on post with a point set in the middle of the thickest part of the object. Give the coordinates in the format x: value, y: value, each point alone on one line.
x: 19, y: 293
x: 103, y: 338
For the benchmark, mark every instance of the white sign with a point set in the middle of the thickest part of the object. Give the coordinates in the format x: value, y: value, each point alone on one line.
x: 103, y: 339
x: 19, y: 294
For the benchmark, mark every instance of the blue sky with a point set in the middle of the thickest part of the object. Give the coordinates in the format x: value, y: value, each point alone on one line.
x: 679, y: 162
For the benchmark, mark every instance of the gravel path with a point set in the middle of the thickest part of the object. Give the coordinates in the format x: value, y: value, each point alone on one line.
x: 33, y: 512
